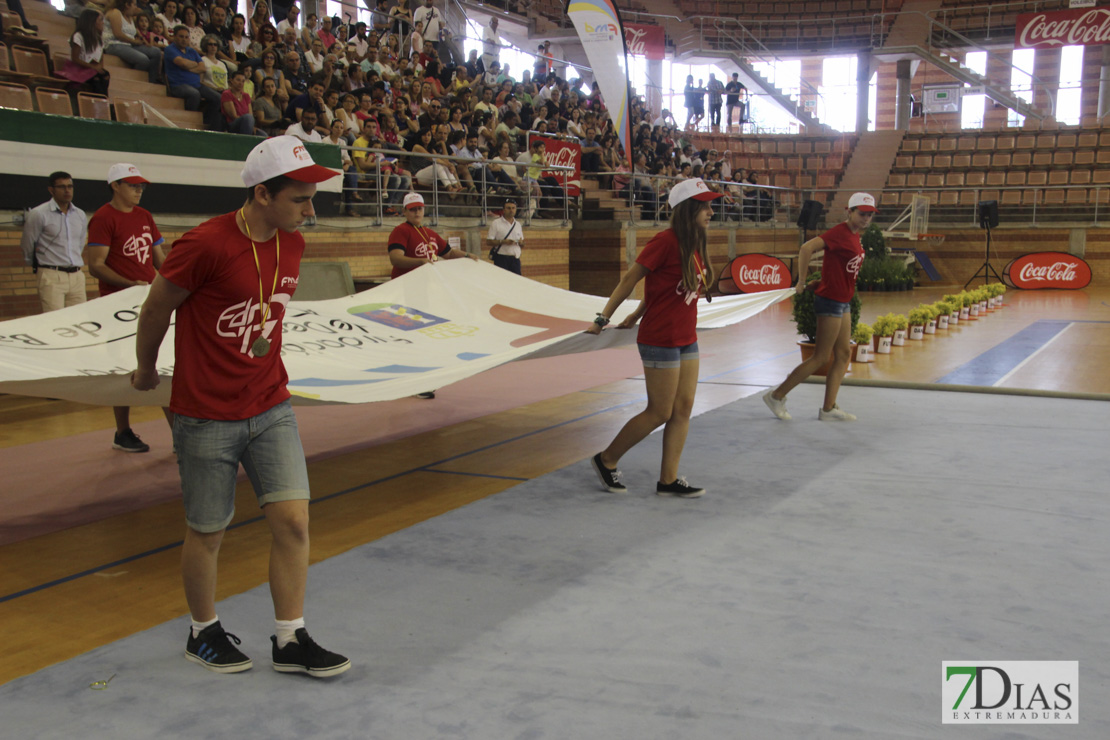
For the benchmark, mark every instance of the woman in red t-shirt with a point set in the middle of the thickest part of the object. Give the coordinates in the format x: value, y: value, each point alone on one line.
x: 832, y: 303
x: 675, y: 269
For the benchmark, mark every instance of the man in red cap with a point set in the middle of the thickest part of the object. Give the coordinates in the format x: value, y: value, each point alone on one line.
x: 125, y: 250
x: 229, y: 280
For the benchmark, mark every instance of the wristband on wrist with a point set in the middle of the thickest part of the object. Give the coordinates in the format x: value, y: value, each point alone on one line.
x: 601, y: 321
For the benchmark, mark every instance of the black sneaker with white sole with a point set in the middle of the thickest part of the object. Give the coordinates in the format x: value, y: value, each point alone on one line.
x: 212, y: 649
x: 610, y: 477
x: 679, y: 488
x: 128, y: 441
x: 305, y: 656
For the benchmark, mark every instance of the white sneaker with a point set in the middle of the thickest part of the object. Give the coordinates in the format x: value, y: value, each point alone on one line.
x: 836, y: 414
x: 778, y: 408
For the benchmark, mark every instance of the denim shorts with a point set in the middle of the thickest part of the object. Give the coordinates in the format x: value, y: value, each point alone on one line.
x: 210, y: 451
x: 823, y: 306
x: 667, y: 357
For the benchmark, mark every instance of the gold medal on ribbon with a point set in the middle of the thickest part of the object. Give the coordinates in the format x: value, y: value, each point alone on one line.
x: 261, y: 346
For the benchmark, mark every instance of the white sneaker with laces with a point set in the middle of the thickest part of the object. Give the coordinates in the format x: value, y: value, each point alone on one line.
x: 835, y: 414
x: 778, y: 407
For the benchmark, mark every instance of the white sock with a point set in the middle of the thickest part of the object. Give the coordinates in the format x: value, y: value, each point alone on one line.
x: 199, y: 626
x: 285, y: 631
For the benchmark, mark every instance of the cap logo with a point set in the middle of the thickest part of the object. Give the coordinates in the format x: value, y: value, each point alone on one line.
x: 300, y: 152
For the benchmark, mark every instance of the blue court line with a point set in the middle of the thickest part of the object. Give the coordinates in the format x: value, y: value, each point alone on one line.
x: 475, y: 475
x: 255, y: 519
x: 991, y: 366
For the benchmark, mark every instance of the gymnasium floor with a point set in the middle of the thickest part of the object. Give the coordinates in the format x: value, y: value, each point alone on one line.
x: 401, y: 463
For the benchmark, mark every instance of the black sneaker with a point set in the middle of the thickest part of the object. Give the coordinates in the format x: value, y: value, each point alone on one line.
x: 610, y: 477
x: 128, y: 441
x: 679, y: 488
x: 426, y: 394
x: 212, y: 648
x: 305, y: 656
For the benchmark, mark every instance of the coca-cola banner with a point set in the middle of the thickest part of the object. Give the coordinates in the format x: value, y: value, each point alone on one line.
x: 1040, y: 270
x: 755, y: 273
x: 645, y: 41
x: 562, y: 153
x: 1076, y: 27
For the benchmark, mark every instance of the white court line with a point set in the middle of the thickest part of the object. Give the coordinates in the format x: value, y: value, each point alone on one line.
x: 1024, y: 362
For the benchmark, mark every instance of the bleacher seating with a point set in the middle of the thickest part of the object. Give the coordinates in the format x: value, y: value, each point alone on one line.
x: 15, y: 96
x: 53, y: 101
x: 987, y: 20
x: 91, y: 105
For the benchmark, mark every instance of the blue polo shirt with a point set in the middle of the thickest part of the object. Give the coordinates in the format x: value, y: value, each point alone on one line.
x: 175, y: 75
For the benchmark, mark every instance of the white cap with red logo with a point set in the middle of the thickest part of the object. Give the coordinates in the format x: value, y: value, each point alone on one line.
x: 282, y: 155
x: 126, y: 172
x: 693, y: 188
x: 863, y: 201
x: 413, y: 200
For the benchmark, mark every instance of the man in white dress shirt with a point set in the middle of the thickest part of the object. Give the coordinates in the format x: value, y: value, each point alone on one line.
x: 505, y: 238
x: 53, y: 238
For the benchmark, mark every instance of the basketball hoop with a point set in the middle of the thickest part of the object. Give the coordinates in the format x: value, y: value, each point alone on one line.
x: 934, y: 240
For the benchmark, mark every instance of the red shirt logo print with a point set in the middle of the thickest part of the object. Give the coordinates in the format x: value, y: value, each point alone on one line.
x: 240, y: 320
x: 138, y: 247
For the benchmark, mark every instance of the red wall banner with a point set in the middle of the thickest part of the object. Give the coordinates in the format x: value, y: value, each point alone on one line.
x: 645, y: 41
x: 1042, y: 270
x: 755, y: 273
x: 562, y: 153
x: 1081, y: 26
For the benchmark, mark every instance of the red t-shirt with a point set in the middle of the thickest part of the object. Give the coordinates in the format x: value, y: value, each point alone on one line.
x: 242, y: 105
x: 130, y: 238
x: 421, y: 243
x: 843, y: 258
x: 217, y: 376
x: 671, y: 317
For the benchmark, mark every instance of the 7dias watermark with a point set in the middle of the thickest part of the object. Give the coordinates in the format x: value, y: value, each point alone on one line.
x: 1010, y: 692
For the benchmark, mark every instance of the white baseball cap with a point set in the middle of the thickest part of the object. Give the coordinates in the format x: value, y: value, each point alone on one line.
x: 126, y: 172
x: 413, y: 200
x: 863, y: 201
x: 693, y: 188
x: 282, y: 155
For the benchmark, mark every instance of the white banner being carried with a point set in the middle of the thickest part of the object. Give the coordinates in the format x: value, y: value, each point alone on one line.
x: 434, y: 326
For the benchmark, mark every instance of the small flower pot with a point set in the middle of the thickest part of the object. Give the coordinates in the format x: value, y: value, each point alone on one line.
x: 965, y: 313
x: 883, y: 346
x: 864, y: 352
x: 954, y: 318
x: 942, y: 322
x: 917, y: 332
x: 982, y: 308
x: 973, y: 312
x: 931, y: 327
x: 899, y: 339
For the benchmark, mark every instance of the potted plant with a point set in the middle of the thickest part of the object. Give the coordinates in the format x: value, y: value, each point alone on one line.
x: 861, y: 335
x: 965, y: 305
x: 931, y: 324
x: 884, y: 333
x: 944, y: 309
x: 901, y: 325
x: 957, y: 307
x: 918, y: 318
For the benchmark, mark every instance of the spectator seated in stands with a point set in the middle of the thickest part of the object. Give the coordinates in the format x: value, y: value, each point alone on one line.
x: 306, y: 129
x: 236, y: 106
x: 268, y: 69
x: 184, y: 67
x: 312, y: 100
x: 85, y: 64
x: 121, y: 40
x: 374, y: 167
x: 297, y: 78
x: 267, y: 112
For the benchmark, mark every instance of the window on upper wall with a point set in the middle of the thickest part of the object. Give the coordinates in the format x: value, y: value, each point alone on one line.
x: 1021, y: 81
x: 1069, y: 96
x: 837, y: 103
x: 972, y: 107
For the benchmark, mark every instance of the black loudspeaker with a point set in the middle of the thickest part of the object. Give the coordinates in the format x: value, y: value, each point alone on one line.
x: 988, y: 214
x: 810, y: 215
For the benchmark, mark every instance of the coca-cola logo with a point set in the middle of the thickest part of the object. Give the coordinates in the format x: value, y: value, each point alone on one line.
x: 757, y: 273
x: 1063, y: 28
x: 1048, y: 270
x: 648, y: 41
x: 560, y: 153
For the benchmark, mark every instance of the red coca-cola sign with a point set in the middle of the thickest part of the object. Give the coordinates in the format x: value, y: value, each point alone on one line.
x: 1040, y: 270
x: 563, y: 153
x: 755, y: 273
x: 1082, y: 26
x: 645, y: 41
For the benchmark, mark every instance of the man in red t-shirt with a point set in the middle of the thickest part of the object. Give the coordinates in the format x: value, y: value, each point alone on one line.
x: 411, y: 244
x: 125, y: 250
x: 229, y: 280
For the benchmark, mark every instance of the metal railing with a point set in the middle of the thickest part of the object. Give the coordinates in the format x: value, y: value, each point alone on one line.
x: 377, y: 184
